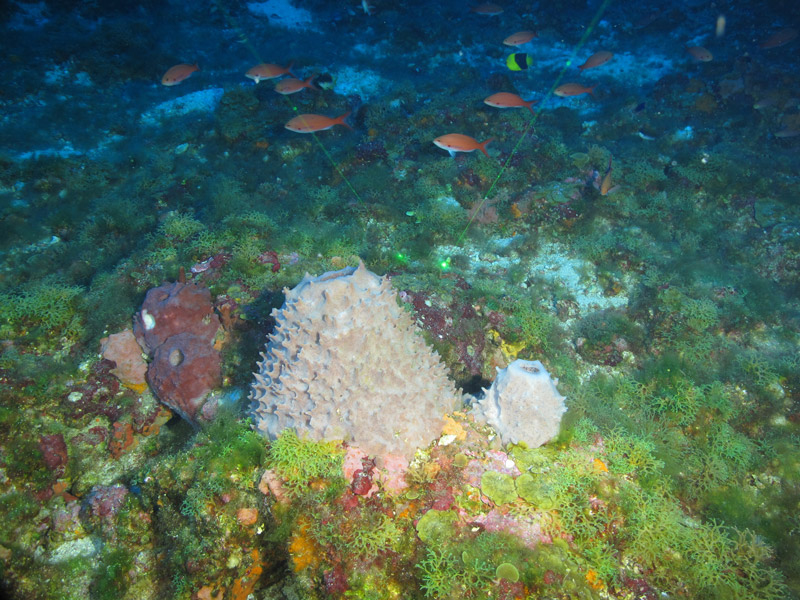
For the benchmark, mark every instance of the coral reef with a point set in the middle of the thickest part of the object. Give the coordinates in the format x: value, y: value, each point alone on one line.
x: 522, y: 404
x: 346, y: 362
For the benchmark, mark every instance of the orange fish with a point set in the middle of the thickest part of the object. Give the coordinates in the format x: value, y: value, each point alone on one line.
x: 519, y: 38
x: 178, y: 73
x: 605, y: 185
x: 456, y: 142
x: 700, y: 53
x: 312, y: 123
x: 487, y: 9
x: 292, y: 85
x: 599, y: 466
x: 597, y: 59
x: 573, y: 89
x: 780, y: 38
x: 268, y: 71
x: 508, y: 100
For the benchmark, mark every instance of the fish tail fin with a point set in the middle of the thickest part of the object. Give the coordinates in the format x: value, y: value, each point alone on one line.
x: 289, y: 69
x: 341, y: 119
x: 591, y: 90
x: 530, y: 104
x: 482, y: 146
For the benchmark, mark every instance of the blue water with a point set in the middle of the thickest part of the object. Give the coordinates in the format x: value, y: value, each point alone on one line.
x: 648, y: 231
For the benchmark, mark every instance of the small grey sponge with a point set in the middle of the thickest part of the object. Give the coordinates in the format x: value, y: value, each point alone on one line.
x: 522, y: 404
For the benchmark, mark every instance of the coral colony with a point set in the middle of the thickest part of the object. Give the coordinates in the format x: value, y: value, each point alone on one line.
x: 399, y: 301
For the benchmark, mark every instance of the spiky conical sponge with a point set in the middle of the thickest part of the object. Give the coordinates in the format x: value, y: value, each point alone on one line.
x: 347, y: 362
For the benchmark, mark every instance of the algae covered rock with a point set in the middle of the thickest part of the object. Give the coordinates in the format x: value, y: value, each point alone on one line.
x: 347, y: 362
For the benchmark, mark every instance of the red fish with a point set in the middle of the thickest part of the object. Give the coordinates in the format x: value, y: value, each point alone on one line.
x: 456, y: 142
x: 508, y: 100
x: 268, y: 71
x: 573, y: 89
x: 780, y: 38
x: 178, y: 73
x: 292, y: 85
x: 597, y: 59
x: 700, y: 53
x: 519, y: 38
x: 313, y: 123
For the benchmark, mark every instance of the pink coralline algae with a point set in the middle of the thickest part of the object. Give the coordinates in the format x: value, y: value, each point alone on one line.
x: 104, y: 501
x: 54, y: 452
x: 177, y: 326
x: 528, y: 533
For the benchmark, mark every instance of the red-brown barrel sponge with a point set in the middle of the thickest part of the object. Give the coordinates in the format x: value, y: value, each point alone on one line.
x: 185, y: 368
x: 175, y: 308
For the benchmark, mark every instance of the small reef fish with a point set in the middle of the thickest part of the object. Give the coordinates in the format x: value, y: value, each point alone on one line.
x: 646, y: 20
x: 780, y: 38
x: 178, y: 73
x: 313, y: 123
x: 788, y: 132
x: 268, y: 71
x: 519, y: 61
x: 597, y: 59
x: 456, y: 142
x: 487, y: 8
x: 367, y: 7
x: 573, y: 89
x: 700, y: 53
x: 508, y: 100
x: 292, y: 85
x: 767, y: 101
x: 519, y: 38
x: 605, y: 185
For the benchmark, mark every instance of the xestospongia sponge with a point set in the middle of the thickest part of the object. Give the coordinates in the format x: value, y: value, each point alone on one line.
x: 345, y: 361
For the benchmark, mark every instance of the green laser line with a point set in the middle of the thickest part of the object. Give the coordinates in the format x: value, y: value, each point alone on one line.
x: 246, y: 41
x: 330, y: 158
x: 535, y: 115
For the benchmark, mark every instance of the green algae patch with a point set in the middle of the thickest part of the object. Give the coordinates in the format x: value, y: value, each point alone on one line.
x: 507, y: 571
x: 436, y: 526
x: 536, y: 460
x: 499, y: 487
x: 536, y: 491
